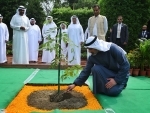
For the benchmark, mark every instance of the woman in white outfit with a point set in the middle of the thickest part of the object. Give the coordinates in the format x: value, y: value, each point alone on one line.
x: 64, y: 32
x: 49, y: 30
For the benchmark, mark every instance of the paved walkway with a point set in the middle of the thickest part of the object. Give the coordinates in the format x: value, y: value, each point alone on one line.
x: 38, y: 64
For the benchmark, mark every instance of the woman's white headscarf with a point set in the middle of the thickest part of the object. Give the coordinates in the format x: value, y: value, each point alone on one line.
x: 64, y: 25
x: 95, y: 43
x: 77, y: 20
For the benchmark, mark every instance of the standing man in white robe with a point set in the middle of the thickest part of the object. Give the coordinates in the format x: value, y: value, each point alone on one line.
x: 64, y: 32
x: 20, y: 25
x: 49, y: 30
x: 76, y: 39
x: 4, y: 37
x: 34, y: 38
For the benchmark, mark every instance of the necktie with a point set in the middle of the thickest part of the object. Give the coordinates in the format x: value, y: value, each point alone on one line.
x: 143, y: 33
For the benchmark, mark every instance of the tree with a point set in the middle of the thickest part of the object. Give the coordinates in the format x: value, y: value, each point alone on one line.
x: 47, y: 5
x: 85, y: 3
x: 32, y: 11
x: 135, y: 14
x: 76, y: 4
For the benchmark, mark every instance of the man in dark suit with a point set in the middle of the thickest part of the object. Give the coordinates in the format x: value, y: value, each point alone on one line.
x: 120, y: 33
x: 144, y: 33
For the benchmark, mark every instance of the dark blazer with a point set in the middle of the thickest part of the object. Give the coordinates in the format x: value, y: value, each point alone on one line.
x: 124, y: 34
x: 146, y: 35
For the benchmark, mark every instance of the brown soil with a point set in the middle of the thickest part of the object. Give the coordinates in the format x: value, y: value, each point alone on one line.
x: 50, y: 99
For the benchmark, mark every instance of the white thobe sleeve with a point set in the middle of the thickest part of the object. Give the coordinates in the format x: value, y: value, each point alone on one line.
x: 68, y: 31
x: 105, y: 25
x: 6, y: 33
x: 82, y: 35
x: 88, y: 26
x: 86, y: 34
x: 55, y: 31
x: 39, y: 34
x: 12, y: 24
x: 28, y: 25
x: 43, y: 32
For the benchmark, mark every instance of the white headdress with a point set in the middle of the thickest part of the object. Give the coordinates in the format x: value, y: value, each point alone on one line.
x: 32, y: 20
x: 77, y: 20
x: 49, y: 17
x: 23, y: 8
x: 1, y: 16
x: 95, y: 43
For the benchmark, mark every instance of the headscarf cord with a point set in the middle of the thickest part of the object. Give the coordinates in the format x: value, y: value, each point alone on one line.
x: 91, y: 41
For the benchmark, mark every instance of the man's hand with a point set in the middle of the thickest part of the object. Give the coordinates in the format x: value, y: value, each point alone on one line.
x: 111, y: 82
x: 71, y: 87
x: 81, y: 43
x: 66, y: 44
x: 22, y: 28
x: 6, y: 41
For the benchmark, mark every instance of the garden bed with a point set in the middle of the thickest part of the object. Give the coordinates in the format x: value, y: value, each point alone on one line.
x: 37, y: 98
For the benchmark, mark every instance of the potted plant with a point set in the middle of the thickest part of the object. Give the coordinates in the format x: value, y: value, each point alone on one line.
x: 130, y: 57
x: 147, y: 55
x: 134, y: 61
x: 143, y: 56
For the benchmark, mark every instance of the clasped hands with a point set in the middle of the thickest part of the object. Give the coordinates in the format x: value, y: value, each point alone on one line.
x: 22, y: 28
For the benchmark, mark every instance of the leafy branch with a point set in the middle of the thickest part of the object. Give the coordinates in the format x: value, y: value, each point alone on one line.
x: 71, y: 72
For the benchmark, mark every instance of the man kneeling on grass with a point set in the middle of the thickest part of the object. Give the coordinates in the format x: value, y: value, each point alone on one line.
x: 109, y: 66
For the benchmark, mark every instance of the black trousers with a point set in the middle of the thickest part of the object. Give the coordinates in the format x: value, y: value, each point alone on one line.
x: 118, y: 42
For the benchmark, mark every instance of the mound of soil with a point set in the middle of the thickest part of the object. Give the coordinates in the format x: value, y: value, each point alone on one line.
x: 51, y: 99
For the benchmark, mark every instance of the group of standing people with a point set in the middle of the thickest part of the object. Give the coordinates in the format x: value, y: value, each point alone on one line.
x: 27, y: 36
x: 98, y: 25
x: 71, y: 49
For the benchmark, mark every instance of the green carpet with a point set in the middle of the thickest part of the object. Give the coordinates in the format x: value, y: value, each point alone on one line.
x: 50, y: 76
x: 139, y: 82
x: 129, y: 101
x: 77, y: 111
x: 11, y: 82
x: 134, y: 99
